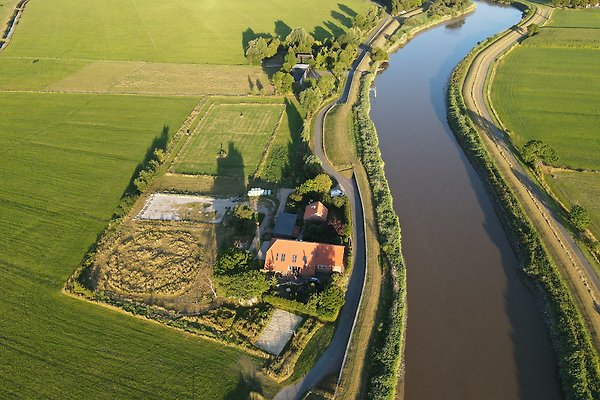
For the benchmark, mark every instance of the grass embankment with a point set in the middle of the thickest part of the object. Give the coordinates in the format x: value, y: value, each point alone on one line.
x: 67, y: 160
x: 548, y: 89
x: 338, y: 137
x: 351, y: 384
x: 577, y: 359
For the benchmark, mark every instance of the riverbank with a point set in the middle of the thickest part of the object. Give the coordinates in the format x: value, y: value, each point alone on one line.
x: 577, y: 360
x: 383, y: 357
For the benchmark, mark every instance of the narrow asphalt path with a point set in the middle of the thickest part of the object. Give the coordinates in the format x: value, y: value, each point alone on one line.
x: 331, y: 360
x: 536, y: 203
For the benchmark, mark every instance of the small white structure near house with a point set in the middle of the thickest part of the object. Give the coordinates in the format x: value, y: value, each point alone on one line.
x: 300, y: 72
x: 257, y: 192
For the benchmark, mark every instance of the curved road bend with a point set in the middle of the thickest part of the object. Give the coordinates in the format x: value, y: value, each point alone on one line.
x: 331, y: 360
x: 474, y: 91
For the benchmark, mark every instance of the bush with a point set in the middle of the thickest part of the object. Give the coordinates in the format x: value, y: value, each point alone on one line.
x: 579, y: 217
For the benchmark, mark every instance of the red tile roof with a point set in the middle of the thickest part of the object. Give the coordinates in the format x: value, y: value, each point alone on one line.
x: 316, y: 212
x: 303, y: 258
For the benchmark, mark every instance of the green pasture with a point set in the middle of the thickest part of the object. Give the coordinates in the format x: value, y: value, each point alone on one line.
x: 547, y: 91
x: 579, y: 187
x: 121, y: 77
x: 282, y: 156
x: 66, y: 160
x: 176, y: 31
x: 588, y: 18
x: 242, y: 131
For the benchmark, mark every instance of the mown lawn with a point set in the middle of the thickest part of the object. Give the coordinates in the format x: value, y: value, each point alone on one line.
x: 180, y: 31
x: 66, y: 159
x: 242, y: 131
x: 549, y: 89
x: 579, y: 187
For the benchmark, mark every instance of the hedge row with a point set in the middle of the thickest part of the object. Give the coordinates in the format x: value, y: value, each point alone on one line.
x: 388, y: 343
x: 577, y: 358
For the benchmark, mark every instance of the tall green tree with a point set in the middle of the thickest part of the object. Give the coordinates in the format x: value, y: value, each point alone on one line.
x: 579, y: 217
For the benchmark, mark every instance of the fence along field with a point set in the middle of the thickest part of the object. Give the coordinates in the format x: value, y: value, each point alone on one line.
x: 66, y: 160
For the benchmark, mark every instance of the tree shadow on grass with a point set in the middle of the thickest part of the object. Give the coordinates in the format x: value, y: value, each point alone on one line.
x: 321, y: 33
x: 343, y: 19
x: 159, y: 142
x: 333, y: 28
x: 249, y: 35
x: 247, y: 383
x: 347, y: 10
x: 282, y: 30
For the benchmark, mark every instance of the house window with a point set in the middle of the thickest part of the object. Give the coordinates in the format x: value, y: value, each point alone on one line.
x: 294, y: 258
x: 282, y: 257
x: 277, y: 257
x: 321, y: 267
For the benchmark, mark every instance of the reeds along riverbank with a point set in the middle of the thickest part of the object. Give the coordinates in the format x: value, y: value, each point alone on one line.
x: 577, y: 359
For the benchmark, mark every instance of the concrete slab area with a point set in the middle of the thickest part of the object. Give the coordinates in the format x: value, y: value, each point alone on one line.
x: 179, y: 207
x: 278, y: 332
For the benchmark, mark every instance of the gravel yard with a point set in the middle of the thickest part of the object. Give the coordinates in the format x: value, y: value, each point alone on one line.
x: 178, y: 207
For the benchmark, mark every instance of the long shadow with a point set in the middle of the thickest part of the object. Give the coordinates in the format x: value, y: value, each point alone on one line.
x: 159, y: 142
x: 347, y: 10
x: 333, y: 28
x: 320, y: 33
x: 294, y: 168
x: 282, y: 30
x: 343, y: 19
x: 246, y: 384
x: 249, y: 35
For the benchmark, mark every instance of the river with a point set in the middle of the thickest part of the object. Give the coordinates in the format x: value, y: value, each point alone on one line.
x: 474, y: 330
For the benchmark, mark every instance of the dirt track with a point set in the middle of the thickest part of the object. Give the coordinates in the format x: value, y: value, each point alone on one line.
x: 581, y: 278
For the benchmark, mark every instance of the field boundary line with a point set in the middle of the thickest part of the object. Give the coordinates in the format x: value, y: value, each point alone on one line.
x: 267, y: 150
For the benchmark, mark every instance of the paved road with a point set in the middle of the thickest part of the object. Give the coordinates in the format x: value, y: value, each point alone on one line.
x: 331, y: 360
x: 534, y: 200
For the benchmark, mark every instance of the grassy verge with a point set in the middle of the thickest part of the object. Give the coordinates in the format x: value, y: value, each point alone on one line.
x: 578, y: 362
x: 339, y: 140
x: 351, y: 384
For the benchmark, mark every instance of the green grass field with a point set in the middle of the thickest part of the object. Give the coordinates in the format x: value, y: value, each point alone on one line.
x: 582, y: 188
x: 549, y: 89
x: 179, y: 31
x: 66, y: 159
x: 241, y: 130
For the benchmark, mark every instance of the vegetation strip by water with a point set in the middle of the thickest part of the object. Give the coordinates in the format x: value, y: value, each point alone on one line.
x: 577, y: 359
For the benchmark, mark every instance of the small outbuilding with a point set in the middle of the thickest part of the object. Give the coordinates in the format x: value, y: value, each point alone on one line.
x: 300, y: 72
x: 285, y: 226
x: 316, y: 212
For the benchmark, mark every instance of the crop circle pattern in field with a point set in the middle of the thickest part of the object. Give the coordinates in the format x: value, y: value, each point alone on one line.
x: 153, y: 260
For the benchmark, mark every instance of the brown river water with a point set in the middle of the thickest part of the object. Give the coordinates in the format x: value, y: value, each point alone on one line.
x: 474, y: 330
